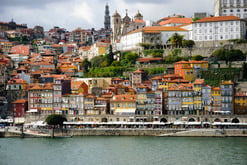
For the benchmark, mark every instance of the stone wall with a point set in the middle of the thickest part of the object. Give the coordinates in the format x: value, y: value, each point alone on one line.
x: 206, y: 51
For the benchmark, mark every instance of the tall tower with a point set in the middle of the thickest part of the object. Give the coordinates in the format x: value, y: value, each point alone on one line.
x: 107, y: 21
x: 116, y: 29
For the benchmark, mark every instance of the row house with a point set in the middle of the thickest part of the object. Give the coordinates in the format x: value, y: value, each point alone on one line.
x: 21, y: 49
x: 61, y: 86
x: 240, y: 103
x: 123, y: 105
x: 200, y: 99
x: 96, y: 105
x: 227, y: 93
x: 19, y: 108
x: 6, y: 46
x: 149, y: 102
x: 216, y: 99
x: 40, y: 98
x: 138, y: 77
x: 95, y: 82
x: 171, y: 79
x: 189, y: 70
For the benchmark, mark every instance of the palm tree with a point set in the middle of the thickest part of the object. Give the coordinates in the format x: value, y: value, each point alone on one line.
x: 176, y: 40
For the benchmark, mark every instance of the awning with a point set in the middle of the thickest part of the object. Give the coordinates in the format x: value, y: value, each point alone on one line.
x: 19, y: 120
x: 193, y: 123
x: 178, y: 122
x: 125, y: 111
x: 33, y: 110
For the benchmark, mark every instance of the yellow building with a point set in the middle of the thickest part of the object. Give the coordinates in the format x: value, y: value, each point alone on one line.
x: 216, y: 99
x: 197, y: 87
x: 123, y: 105
x: 240, y: 103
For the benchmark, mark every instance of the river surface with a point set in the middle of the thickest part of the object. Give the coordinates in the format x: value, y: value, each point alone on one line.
x: 103, y: 150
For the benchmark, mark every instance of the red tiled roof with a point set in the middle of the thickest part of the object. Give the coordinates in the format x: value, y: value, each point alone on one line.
x: 124, y: 98
x: 19, y: 101
x: 199, y: 81
x: 175, y: 20
x: 149, y: 59
x: 216, y: 19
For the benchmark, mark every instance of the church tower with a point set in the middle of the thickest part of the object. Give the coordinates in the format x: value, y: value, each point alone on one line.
x: 138, y: 16
x: 116, y: 29
x: 107, y: 21
x: 125, y: 24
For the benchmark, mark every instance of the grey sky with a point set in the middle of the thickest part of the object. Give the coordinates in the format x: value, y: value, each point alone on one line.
x: 71, y: 14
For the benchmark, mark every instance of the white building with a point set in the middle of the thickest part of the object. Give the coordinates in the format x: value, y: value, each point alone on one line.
x: 153, y: 34
x: 219, y: 28
x: 231, y: 7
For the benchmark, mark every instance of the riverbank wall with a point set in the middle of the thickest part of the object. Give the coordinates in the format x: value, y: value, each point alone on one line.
x: 153, y: 132
x: 138, y: 132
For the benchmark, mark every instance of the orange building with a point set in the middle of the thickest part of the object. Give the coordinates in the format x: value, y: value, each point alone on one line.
x: 190, y: 69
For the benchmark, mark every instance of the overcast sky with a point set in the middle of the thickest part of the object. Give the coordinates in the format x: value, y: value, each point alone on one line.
x: 71, y: 14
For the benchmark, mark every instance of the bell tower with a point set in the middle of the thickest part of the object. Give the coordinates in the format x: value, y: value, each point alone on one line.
x: 107, y: 21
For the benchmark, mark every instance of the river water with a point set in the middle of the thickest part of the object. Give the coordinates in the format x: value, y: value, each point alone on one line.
x: 103, y: 150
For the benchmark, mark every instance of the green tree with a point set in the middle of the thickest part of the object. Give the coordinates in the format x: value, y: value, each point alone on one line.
x: 116, y: 63
x: 188, y: 43
x: 146, y: 45
x: 53, y: 120
x: 176, y: 40
x: 97, y: 61
x: 220, y: 54
x: 197, y: 57
x: 85, y: 65
x: 131, y: 58
x: 235, y: 55
x: 196, y: 19
x: 110, y: 56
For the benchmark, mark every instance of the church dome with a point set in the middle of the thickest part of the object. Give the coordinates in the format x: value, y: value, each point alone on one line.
x: 116, y: 14
x: 138, y: 14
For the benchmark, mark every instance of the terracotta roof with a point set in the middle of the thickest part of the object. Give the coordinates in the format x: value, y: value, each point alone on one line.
x: 241, y: 94
x: 149, y: 59
x: 17, y: 81
x: 139, y: 21
x: 172, y: 76
x: 117, y: 79
x: 182, y: 62
x: 227, y: 82
x: 157, y: 78
x: 197, y: 62
x: 47, y: 86
x: 20, y: 101
x: 38, y: 72
x: 215, y: 88
x: 175, y: 20
x: 76, y: 84
x: 216, y: 19
x: 157, y: 29
x: 139, y: 71
x: 124, y: 98
x: 199, y: 81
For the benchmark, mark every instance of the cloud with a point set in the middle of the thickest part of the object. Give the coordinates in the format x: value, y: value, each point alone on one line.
x: 84, y: 11
x: 71, y: 14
